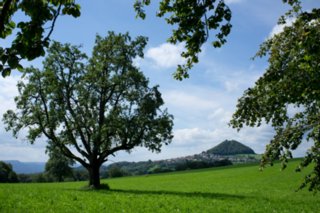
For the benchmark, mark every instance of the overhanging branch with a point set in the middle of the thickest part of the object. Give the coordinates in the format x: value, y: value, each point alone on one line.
x: 53, y: 23
x: 4, y: 14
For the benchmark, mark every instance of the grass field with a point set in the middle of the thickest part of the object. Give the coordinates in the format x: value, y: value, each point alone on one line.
x: 229, y: 189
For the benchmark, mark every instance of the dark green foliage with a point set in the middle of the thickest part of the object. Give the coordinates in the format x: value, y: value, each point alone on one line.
x: 39, y: 178
x: 80, y: 175
x: 201, y: 164
x: 230, y: 147
x: 97, y: 106
x: 152, y: 167
x: 24, y: 178
x: 193, y: 20
x: 287, y: 96
x: 35, y: 178
x: 76, y: 175
x: 115, y: 171
x: 58, y: 165
x: 7, y: 175
x: 32, y: 37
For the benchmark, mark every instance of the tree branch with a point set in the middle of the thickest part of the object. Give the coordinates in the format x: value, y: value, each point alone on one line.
x: 4, y: 14
x: 74, y: 141
x: 53, y: 23
x: 124, y: 145
x: 73, y: 114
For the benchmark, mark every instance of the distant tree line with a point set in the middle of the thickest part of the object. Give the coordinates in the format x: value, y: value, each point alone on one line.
x: 202, y: 164
x: 66, y: 173
x: 152, y: 167
x: 7, y: 175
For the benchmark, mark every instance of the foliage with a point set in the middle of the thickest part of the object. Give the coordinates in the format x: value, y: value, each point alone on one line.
x: 230, y: 147
x: 7, y: 175
x: 115, y: 171
x: 152, y: 167
x: 33, y: 34
x: 97, y: 106
x: 201, y: 164
x: 58, y: 165
x: 80, y: 174
x: 228, y: 189
x: 287, y: 95
x: 24, y: 178
x: 193, y: 19
x: 76, y: 175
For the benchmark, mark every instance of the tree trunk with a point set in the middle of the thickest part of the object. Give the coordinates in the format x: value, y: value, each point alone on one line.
x: 94, y: 176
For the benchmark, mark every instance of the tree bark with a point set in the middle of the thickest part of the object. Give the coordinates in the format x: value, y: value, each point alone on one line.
x: 94, y: 176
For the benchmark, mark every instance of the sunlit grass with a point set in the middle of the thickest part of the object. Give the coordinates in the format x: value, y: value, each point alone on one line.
x: 231, y: 189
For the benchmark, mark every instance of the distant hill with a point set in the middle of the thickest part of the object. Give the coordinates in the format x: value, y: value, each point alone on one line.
x: 219, y: 155
x: 226, y: 153
x: 26, y: 167
x: 230, y: 147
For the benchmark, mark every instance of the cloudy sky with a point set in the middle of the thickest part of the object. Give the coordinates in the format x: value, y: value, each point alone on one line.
x: 202, y: 105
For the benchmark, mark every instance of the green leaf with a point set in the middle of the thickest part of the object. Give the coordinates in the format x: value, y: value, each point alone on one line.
x: 6, y: 72
x: 13, y: 62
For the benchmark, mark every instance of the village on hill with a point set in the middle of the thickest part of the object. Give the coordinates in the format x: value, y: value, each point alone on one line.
x: 226, y: 153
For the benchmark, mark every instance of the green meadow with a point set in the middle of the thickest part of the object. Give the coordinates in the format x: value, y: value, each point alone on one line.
x: 228, y: 189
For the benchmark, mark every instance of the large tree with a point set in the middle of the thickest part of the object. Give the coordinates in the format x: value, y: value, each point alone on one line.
x: 192, y: 19
x: 288, y: 94
x: 92, y: 108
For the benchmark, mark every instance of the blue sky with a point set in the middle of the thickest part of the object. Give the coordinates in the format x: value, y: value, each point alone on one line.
x: 202, y: 105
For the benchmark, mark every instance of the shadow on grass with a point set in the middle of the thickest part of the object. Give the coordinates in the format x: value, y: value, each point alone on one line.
x: 221, y: 196
x: 106, y: 190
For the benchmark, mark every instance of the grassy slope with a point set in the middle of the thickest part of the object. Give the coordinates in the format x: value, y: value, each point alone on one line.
x: 233, y: 189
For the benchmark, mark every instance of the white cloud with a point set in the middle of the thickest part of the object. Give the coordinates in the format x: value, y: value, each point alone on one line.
x: 23, y: 152
x: 231, y: 86
x: 220, y: 115
x: 237, y: 82
x: 203, y: 139
x: 192, y: 136
x: 15, y: 149
x: 202, y: 116
x: 8, y: 90
x: 166, y: 55
x: 188, y: 99
x: 280, y: 27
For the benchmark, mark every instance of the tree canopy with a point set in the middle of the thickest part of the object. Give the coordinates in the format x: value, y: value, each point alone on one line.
x: 91, y: 108
x: 32, y: 34
x: 288, y: 94
x: 58, y: 165
x: 7, y: 175
x: 193, y: 18
x: 193, y: 21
